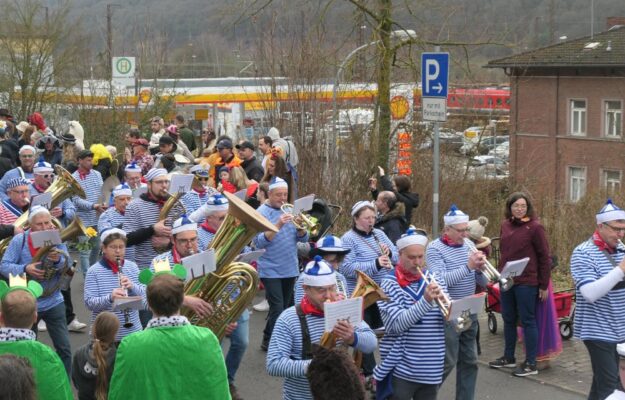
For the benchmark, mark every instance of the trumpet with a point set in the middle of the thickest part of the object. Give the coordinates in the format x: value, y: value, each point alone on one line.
x: 127, y: 322
x: 463, y: 322
x: 490, y: 271
x: 307, y: 222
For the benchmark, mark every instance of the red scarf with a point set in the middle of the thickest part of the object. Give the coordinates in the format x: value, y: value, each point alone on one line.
x: 160, y: 202
x: 309, y: 309
x: 446, y: 240
x: 31, y: 247
x: 405, y: 277
x: 601, y: 244
x: 82, y: 175
x: 175, y: 255
x: 113, y: 265
x: 205, y: 226
x: 38, y: 188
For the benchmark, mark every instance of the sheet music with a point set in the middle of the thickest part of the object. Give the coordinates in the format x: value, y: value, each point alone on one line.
x: 133, y: 302
x: 241, y: 194
x: 180, y: 183
x: 43, y: 199
x: 514, y: 268
x: 473, y: 304
x: 303, y: 204
x: 46, y: 238
x: 199, y: 264
x: 348, y: 309
x: 250, y: 257
x: 139, y: 191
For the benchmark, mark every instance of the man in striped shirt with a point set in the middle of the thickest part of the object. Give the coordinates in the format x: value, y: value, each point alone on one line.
x: 200, y: 192
x: 213, y: 213
x: 25, y: 170
x: 289, y: 352
x: 132, y: 177
x: 449, y: 261
x: 413, y: 325
x: 598, y: 270
x: 43, y: 178
x: 16, y: 203
x: 114, y: 216
x: 87, y: 209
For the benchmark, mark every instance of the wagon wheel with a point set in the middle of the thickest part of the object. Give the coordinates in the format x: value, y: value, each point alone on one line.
x: 492, y: 323
x: 566, y: 330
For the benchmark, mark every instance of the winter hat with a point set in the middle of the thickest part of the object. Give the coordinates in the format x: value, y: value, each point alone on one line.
x: 477, y: 227
x: 318, y: 273
x: 610, y: 212
x: 455, y: 216
x: 274, y: 133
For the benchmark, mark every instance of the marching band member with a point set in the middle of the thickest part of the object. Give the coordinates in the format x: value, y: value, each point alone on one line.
x: 618, y: 393
x: 113, y: 217
x: 17, y: 201
x: 278, y: 266
x: 87, y: 209
x: 448, y: 260
x: 43, y: 178
x: 289, y: 352
x: 371, y: 252
x: 413, y: 326
x: 132, y: 176
x: 141, y: 220
x: 17, y: 316
x: 213, y: 213
x: 111, y: 278
x: 200, y: 190
x: 25, y: 170
x: 598, y: 269
x: 330, y: 248
x: 17, y: 260
x: 145, y: 366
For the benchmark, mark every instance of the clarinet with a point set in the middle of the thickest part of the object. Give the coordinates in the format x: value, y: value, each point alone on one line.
x: 127, y: 322
x: 383, y: 251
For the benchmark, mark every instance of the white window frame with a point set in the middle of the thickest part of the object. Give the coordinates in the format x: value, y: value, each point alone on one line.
x: 583, y: 182
x: 579, y: 114
x: 616, y: 130
x: 616, y: 185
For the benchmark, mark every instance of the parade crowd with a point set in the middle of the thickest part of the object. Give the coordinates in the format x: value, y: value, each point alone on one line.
x: 132, y: 232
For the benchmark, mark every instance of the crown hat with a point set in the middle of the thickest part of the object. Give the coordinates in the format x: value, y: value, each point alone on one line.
x: 318, y: 273
x: 19, y: 282
x: 610, y: 212
x: 162, y: 267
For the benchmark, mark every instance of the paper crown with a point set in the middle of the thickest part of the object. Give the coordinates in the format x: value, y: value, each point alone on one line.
x: 155, y: 173
x: 18, y: 282
x: 42, y: 166
x: 107, y: 232
x: 162, y: 267
x: 15, y: 182
x: 132, y: 167
x: 455, y: 216
x: 610, y: 212
x: 277, y: 183
x: 361, y: 204
x: 318, y: 273
x: 122, y: 190
x: 412, y: 236
x: 183, y: 224
x: 331, y: 244
x: 199, y: 170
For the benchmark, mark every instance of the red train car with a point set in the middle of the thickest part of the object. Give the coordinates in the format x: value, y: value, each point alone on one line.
x: 480, y: 100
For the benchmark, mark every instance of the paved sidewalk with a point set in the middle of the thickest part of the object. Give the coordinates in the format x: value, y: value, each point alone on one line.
x: 570, y: 371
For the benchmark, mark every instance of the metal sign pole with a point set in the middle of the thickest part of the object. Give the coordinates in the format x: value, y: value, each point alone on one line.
x: 436, y: 175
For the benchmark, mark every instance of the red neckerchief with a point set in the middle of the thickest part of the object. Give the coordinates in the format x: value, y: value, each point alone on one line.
x: 120, y: 212
x: 175, y: 255
x: 38, y: 188
x: 446, y: 240
x: 601, y: 244
x: 160, y: 202
x: 309, y: 309
x: 206, y: 227
x: 201, y: 192
x: 404, y: 277
x: 83, y: 175
x: 31, y: 247
x: 113, y: 265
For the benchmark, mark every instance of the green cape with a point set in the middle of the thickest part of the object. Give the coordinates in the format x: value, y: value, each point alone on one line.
x: 50, y: 376
x: 181, y: 362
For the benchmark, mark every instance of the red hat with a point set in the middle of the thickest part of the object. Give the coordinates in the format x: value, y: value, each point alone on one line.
x: 37, y: 120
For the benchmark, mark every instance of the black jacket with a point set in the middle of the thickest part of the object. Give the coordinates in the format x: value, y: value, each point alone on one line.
x: 85, y: 370
x: 393, y: 223
x: 253, y: 169
x: 410, y: 199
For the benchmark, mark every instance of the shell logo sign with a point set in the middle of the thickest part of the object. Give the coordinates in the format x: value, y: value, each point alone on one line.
x: 400, y: 106
x: 145, y: 96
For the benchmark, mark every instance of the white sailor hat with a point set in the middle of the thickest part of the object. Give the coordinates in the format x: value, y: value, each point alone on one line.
x: 217, y: 202
x: 318, y: 273
x: 42, y: 166
x: 277, y: 183
x: 361, y: 204
x: 199, y: 170
x: 155, y: 173
x: 132, y: 167
x: 610, y: 212
x: 122, y: 190
x: 109, y: 231
x: 183, y: 224
x: 620, y: 349
x: 331, y: 244
x: 15, y: 182
x: 412, y: 236
x: 455, y: 216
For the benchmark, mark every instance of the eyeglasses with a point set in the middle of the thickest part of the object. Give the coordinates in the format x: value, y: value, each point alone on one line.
x: 165, y: 182
x: 615, y: 229
x: 116, y: 247
x: 25, y: 191
x: 202, y: 178
x: 27, y: 156
x: 185, y: 242
x: 47, y: 175
x: 465, y: 230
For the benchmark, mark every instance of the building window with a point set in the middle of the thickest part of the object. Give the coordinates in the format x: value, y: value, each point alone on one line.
x: 577, y: 183
x: 613, y: 118
x: 611, y: 181
x: 578, y: 117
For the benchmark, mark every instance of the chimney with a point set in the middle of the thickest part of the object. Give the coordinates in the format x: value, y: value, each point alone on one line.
x: 614, y: 21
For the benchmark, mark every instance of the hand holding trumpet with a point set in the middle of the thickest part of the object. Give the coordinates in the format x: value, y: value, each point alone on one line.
x: 476, y: 261
x: 433, y: 292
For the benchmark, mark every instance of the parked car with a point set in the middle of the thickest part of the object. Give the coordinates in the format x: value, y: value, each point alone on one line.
x: 502, y: 151
x: 484, y: 145
x: 448, y: 138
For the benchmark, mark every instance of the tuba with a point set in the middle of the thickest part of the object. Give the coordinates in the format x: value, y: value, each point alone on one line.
x: 233, y: 285
x: 64, y: 187
x: 171, y: 211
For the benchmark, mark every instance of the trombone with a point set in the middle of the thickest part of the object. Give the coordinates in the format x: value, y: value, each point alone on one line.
x: 463, y: 322
x: 307, y: 223
x: 489, y: 270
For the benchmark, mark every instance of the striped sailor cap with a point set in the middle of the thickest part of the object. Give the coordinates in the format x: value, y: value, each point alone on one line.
x: 15, y: 182
x: 318, y: 273
x: 610, y: 212
x: 155, y: 173
x: 42, y: 166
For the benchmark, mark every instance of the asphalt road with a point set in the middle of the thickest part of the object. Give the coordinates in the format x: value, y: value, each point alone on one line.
x: 254, y: 383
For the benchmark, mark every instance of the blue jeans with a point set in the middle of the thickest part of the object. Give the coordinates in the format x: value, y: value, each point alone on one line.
x: 239, y: 339
x: 519, y: 302
x: 89, y: 257
x: 279, y: 294
x: 56, y: 322
x: 461, y: 352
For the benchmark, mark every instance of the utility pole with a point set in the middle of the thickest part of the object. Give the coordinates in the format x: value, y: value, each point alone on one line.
x: 109, y: 37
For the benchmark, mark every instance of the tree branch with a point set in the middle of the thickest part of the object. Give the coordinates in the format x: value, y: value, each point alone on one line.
x: 366, y: 10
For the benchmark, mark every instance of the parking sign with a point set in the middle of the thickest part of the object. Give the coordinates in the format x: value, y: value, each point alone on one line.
x: 434, y: 84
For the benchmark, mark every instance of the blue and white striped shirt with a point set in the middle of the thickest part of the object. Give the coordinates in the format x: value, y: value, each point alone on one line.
x: 284, y: 357
x: 362, y: 257
x: 280, y: 257
x: 139, y: 214
x: 413, y: 346
x: 92, y: 185
x: 12, y: 174
x: 99, y: 284
x: 299, y: 290
x: 69, y: 211
x: 17, y: 257
x: 193, y: 200
x: 449, y: 265
x: 111, y: 218
x: 605, y: 318
x: 204, y: 238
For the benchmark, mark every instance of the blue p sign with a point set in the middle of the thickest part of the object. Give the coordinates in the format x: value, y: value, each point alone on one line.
x: 434, y: 74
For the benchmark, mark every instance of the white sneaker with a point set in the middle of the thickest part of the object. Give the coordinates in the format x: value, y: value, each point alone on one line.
x: 76, y: 325
x: 262, y: 306
x: 41, y: 326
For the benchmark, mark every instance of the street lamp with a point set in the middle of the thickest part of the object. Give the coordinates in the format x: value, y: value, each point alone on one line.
x: 400, y: 35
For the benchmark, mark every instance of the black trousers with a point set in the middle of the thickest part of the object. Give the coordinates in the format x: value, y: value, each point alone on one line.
x: 374, y: 320
x: 69, y: 307
x: 604, y: 360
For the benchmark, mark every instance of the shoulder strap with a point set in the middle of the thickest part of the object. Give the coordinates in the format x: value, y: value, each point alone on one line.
x: 621, y: 284
x: 21, y: 172
x: 306, y: 344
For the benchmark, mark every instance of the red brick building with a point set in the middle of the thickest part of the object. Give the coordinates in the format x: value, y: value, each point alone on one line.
x: 566, y: 118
